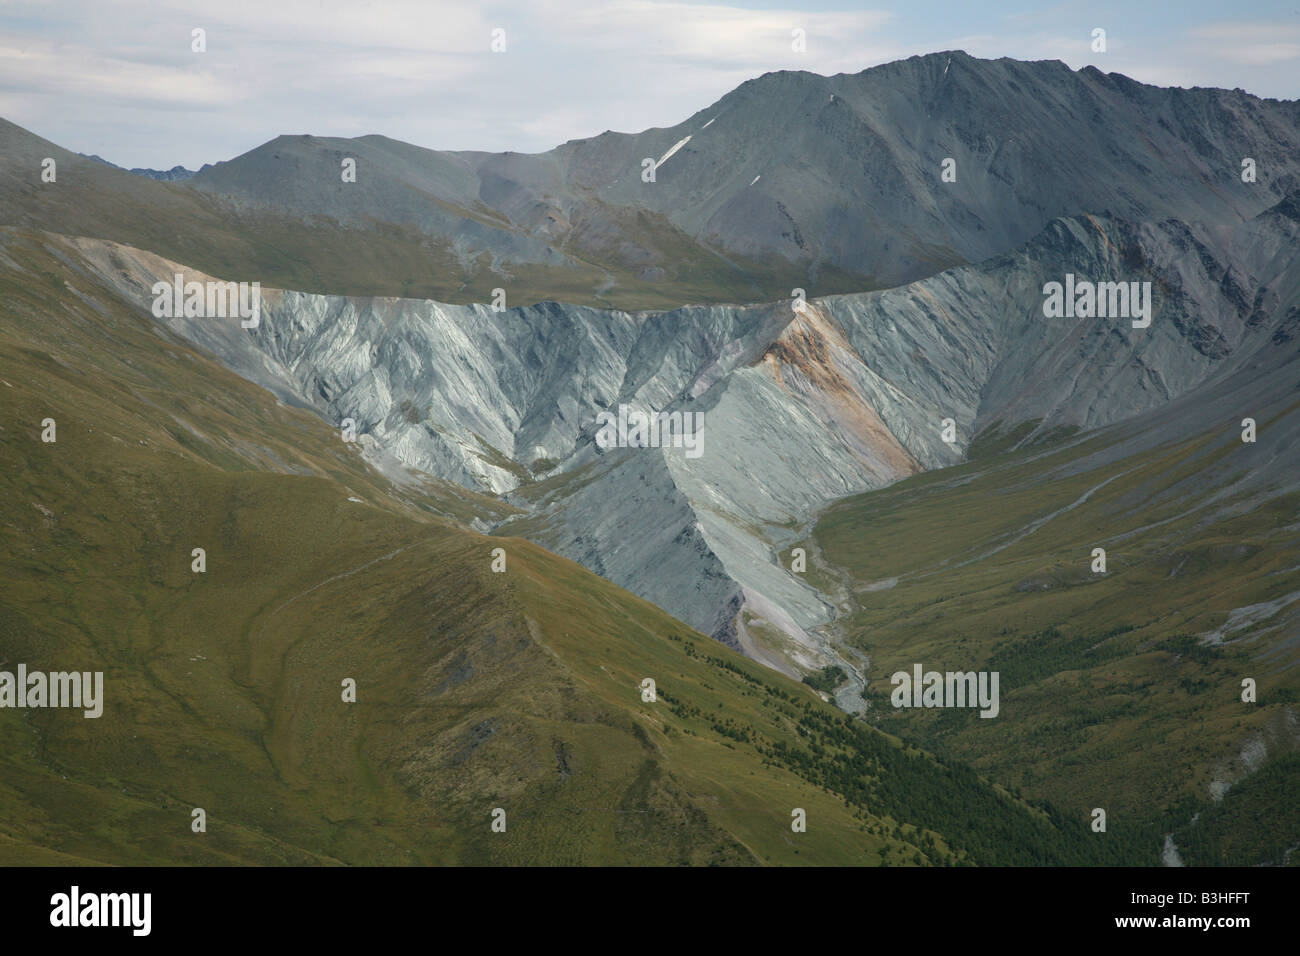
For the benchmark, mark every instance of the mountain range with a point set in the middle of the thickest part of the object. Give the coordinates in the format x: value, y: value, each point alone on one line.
x: 897, y: 399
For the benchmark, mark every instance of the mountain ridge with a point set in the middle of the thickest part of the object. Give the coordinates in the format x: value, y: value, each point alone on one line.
x: 830, y: 184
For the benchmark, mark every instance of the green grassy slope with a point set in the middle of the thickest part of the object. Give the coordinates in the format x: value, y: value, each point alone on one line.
x: 1108, y: 697
x: 475, y: 689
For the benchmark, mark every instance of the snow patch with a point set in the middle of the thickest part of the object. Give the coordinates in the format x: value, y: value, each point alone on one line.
x: 665, y: 156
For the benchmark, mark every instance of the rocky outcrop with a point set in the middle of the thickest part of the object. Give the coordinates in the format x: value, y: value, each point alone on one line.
x: 799, y: 405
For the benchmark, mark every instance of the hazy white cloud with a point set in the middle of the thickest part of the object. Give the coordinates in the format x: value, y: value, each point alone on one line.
x: 48, y: 70
x: 711, y: 32
x: 1252, y: 43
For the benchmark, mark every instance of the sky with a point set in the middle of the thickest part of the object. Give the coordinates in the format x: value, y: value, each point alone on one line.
x: 120, y: 78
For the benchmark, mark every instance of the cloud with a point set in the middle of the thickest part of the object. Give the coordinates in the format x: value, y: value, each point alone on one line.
x: 51, y: 71
x: 1257, y: 44
x: 708, y: 32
